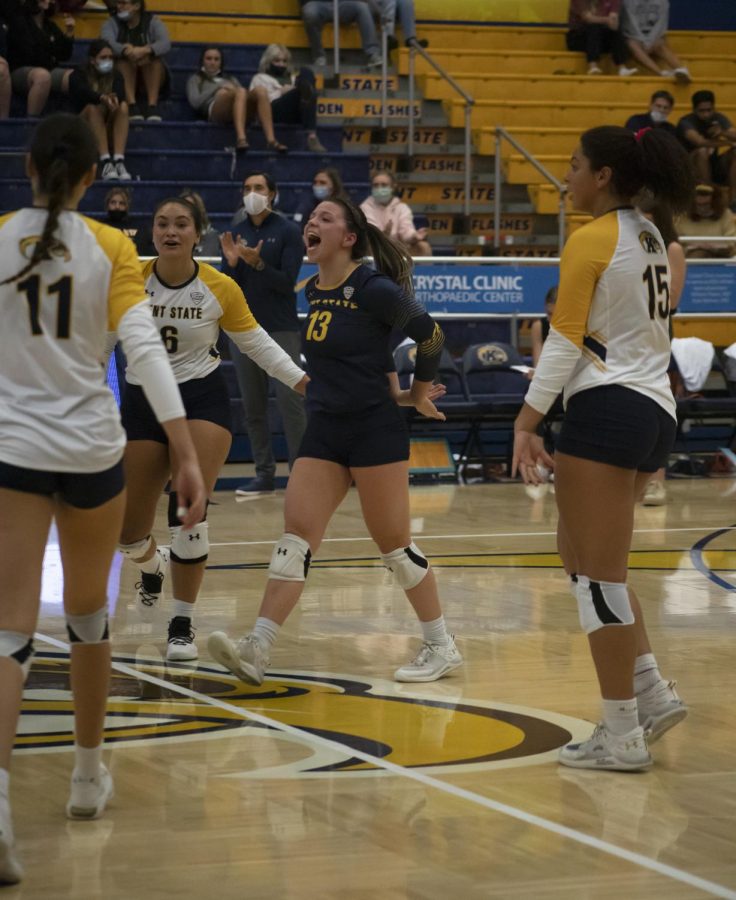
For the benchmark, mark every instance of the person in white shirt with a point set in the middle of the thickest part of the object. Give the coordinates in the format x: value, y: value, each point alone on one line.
x: 292, y: 95
x: 189, y: 302
x: 64, y: 280
x: 608, y: 350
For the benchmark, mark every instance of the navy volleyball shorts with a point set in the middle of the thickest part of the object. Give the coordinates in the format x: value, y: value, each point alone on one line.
x: 83, y: 490
x: 617, y: 426
x: 204, y: 398
x: 375, y: 437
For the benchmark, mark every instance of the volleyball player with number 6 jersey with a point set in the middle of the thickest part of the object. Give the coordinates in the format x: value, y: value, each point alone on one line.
x: 608, y: 349
x: 189, y: 302
x: 64, y: 281
x: 355, y: 433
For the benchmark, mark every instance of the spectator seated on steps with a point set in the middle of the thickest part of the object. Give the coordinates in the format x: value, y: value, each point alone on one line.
x: 317, y: 13
x: 660, y: 107
x: 594, y: 29
x: 644, y: 25
x: 326, y: 185
x: 711, y: 138
x: 384, y: 210
x: 708, y: 217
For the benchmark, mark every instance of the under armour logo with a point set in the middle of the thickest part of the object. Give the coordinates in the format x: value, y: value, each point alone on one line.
x: 280, y: 550
x: 194, y: 537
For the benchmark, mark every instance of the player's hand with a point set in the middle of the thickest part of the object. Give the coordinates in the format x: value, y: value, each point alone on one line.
x: 426, y: 407
x: 301, y: 386
x: 528, y: 453
x: 190, y: 493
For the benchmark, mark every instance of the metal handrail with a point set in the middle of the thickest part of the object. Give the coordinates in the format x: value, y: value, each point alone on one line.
x: 501, y: 135
x: 336, y: 36
x: 415, y: 48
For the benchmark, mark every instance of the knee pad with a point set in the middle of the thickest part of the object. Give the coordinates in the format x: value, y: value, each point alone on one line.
x: 602, y: 603
x: 19, y: 647
x: 89, y: 629
x: 190, y: 546
x: 290, y: 559
x: 136, y: 550
x: 174, y: 521
x: 408, y: 565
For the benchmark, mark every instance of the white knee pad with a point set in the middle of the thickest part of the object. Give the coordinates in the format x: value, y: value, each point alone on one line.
x: 191, y: 545
x: 89, y: 629
x: 408, y: 565
x: 290, y: 559
x: 19, y: 647
x: 136, y: 551
x: 602, y: 603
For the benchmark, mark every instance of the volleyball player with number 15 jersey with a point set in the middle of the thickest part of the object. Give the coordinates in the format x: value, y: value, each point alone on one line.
x: 64, y: 281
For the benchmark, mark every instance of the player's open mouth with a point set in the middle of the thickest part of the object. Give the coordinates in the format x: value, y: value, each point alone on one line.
x: 313, y: 239
x: 171, y: 243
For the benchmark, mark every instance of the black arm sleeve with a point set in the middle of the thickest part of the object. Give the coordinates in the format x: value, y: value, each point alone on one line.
x: 389, y: 303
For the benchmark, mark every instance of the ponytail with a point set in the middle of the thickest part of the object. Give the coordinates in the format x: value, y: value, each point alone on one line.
x: 654, y: 160
x: 63, y: 149
x: 389, y: 256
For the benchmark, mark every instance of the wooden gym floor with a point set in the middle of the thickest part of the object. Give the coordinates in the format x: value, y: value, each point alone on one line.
x: 332, y: 781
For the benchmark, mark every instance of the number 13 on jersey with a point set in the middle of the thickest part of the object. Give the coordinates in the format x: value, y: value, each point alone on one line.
x: 318, y: 323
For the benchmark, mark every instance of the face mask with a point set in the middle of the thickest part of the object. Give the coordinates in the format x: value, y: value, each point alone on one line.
x: 117, y: 215
x: 254, y: 203
x: 278, y: 71
x: 104, y: 66
x: 658, y: 116
x: 320, y: 191
x: 124, y: 15
x: 382, y: 195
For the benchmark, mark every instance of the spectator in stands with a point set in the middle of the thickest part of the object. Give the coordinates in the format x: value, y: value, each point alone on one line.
x: 5, y: 88
x: 394, y: 218
x: 708, y: 217
x: 326, y: 185
x: 660, y: 107
x: 264, y: 258
x: 317, y: 13
x: 209, y: 237
x: 594, y: 30
x: 140, y: 42
x: 540, y: 327
x: 293, y: 97
x: 221, y: 98
x: 36, y: 46
x: 403, y: 10
x: 97, y: 93
x: 705, y: 132
x: 117, y: 211
x: 644, y: 25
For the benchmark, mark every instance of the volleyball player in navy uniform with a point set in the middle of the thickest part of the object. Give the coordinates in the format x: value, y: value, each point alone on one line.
x: 355, y: 433
x: 609, y: 349
x: 64, y: 281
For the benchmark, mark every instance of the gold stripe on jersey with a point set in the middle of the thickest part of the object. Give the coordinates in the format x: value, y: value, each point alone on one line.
x: 236, y: 312
x: 586, y: 256
x: 6, y: 217
x: 126, y: 284
x: 433, y: 345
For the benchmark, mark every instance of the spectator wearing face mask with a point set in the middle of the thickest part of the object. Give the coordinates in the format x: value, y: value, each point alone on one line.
x: 326, y: 185
x: 97, y: 93
x: 117, y: 211
x: 264, y: 254
x: 660, y: 107
x: 293, y: 96
x: 384, y: 210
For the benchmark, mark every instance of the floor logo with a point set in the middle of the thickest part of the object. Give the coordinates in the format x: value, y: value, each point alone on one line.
x: 431, y: 729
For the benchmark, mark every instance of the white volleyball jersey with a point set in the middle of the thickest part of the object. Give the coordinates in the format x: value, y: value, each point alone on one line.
x: 612, y: 314
x: 189, y: 318
x: 56, y: 411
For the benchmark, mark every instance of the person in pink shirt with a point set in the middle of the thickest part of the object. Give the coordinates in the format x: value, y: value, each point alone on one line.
x: 384, y: 210
x: 594, y: 30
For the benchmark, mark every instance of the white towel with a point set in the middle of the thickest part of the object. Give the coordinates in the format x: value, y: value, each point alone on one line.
x: 694, y: 358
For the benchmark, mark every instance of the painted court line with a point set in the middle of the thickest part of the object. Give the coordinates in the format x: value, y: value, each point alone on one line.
x: 491, y: 534
x: 709, y: 887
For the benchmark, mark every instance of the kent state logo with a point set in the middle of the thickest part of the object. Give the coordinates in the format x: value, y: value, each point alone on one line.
x: 492, y: 353
x: 649, y: 242
x: 431, y: 727
x: 56, y: 247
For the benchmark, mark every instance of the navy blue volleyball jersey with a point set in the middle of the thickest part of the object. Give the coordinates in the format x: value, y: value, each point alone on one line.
x: 345, y: 339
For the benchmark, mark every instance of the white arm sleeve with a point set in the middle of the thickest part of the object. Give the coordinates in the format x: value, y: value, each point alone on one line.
x: 148, y: 360
x: 559, y: 357
x: 266, y: 353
